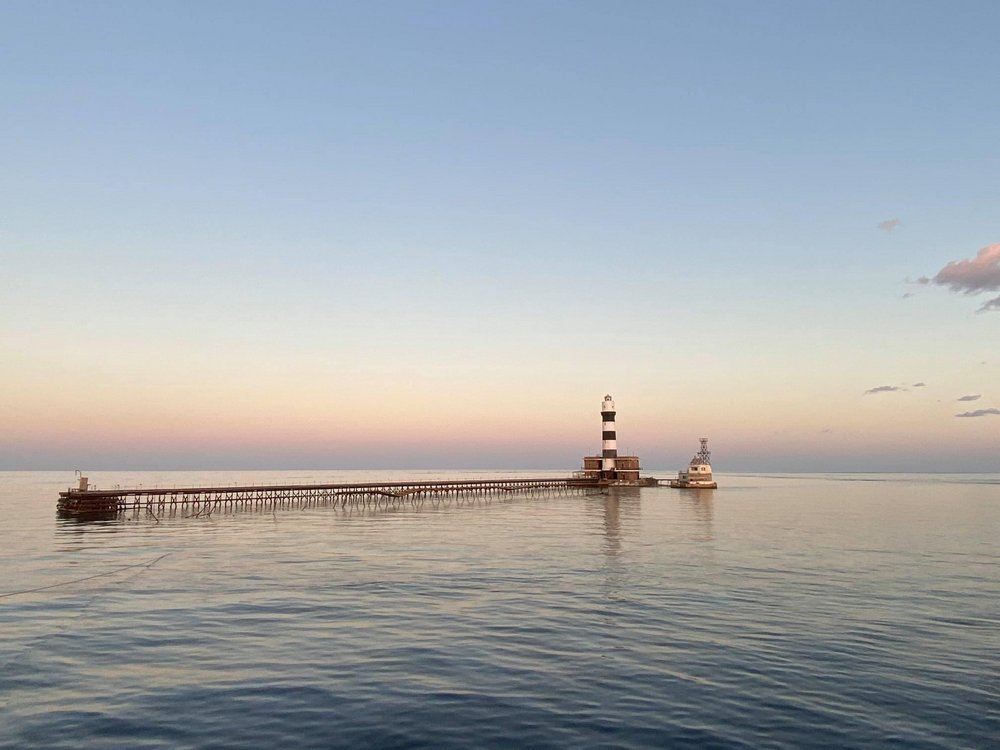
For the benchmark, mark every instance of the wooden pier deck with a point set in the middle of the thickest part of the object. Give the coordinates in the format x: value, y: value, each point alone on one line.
x: 201, y: 499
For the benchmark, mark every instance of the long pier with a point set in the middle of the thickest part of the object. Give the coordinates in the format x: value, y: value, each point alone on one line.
x: 206, y: 499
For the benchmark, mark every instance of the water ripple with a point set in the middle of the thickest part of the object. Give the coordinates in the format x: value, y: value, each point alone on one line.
x: 792, y: 612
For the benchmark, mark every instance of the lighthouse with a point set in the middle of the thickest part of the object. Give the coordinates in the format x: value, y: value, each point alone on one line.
x: 609, y: 467
x: 609, y: 442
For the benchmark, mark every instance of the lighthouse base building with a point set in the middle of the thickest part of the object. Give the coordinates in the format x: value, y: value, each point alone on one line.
x: 626, y: 470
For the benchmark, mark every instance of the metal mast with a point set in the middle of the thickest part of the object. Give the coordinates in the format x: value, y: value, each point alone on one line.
x: 704, y: 454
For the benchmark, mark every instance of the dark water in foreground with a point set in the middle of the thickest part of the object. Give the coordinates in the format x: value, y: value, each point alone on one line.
x: 792, y: 611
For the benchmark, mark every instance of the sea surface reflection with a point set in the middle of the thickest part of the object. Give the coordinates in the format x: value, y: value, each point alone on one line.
x: 781, y: 611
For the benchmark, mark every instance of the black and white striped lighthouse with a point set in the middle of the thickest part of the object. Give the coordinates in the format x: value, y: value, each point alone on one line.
x: 609, y: 441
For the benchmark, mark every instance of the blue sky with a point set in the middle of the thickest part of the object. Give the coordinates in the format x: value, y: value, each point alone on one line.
x: 320, y: 234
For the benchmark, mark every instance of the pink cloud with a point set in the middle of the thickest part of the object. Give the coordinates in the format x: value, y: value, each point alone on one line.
x: 972, y: 276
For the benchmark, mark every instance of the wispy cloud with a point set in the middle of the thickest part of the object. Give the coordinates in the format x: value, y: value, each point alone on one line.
x: 978, y: 413
x: 889, y: 224
x: 970, y: 398
x: 921, y: 384
x: 883, y: 389
x: 972, y: 276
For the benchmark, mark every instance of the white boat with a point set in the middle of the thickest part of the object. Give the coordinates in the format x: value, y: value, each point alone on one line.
x: 699, y: 471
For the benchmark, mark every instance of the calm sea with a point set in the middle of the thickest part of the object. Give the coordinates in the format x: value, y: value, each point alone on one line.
x: 786, y: 611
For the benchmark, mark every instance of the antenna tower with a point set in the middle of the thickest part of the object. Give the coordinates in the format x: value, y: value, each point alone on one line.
x: 705, y: 454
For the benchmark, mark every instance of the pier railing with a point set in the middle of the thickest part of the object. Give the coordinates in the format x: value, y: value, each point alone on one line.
x: 268, y: 496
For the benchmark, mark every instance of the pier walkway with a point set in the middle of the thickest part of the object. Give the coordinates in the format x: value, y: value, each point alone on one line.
x: 205, y: 499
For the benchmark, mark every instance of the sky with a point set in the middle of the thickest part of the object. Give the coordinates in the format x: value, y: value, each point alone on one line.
x: 436, y: 234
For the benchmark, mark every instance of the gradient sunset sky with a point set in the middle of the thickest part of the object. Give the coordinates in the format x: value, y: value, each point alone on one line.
x: 435, y: 234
